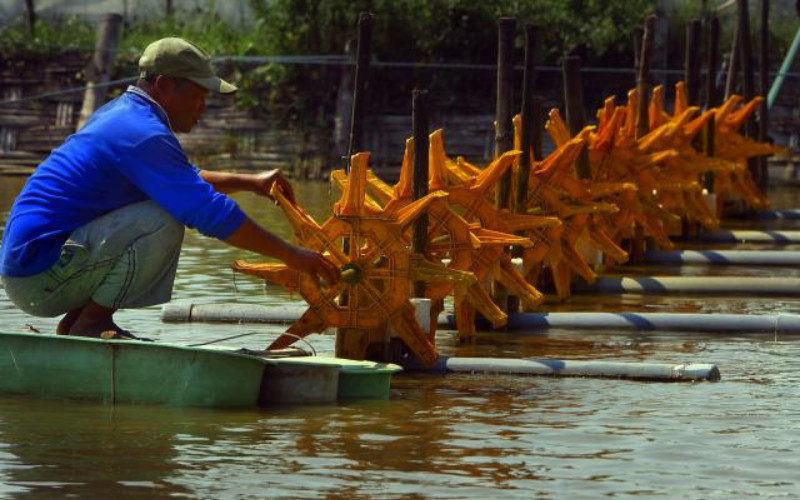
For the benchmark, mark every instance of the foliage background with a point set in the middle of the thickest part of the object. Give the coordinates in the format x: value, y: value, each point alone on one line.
x: 413, y: 31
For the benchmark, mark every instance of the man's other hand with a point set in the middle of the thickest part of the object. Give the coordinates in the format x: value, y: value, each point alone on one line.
x: 263, y: 182
x: 315, y: 264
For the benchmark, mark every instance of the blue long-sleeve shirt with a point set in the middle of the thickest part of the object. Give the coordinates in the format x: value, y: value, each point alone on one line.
x: 125, y: 153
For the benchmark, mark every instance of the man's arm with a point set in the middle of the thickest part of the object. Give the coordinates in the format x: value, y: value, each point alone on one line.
x: 228, y: 182
x: 251, y: 236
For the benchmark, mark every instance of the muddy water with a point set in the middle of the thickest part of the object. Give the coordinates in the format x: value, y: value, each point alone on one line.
x: 462, y: 436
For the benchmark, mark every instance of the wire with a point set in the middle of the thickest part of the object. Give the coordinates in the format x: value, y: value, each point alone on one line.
x: 313, y: 351
x: 67, y: 91
x: 336, y: 60
x: 225, y: 338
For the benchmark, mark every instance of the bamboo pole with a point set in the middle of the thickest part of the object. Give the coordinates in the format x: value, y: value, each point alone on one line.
x: 504, y: 128
x: 528, y: 119
x: 692, y: 61
x: 573, y: 97
x: 763, y: 122
x: 638, y: 35
x: 359, y: 90
x: 746, y: 54
x: 712, y: 62
x: 527, y: 115
x: 420, y: 126
x: 643, y: 77
x: 733, y: 65
x: 711, y: 98
x: 642, y: 119
x: 99, y: 69
x: 349, y: 341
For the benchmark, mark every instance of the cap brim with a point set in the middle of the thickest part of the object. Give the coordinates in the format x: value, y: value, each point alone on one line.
x: 215, y: 84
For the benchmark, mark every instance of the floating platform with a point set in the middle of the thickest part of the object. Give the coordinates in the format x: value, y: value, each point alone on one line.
x: 136, y: 372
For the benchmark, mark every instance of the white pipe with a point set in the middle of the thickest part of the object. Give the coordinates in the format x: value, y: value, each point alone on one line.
x: 750, y: 236
x: 528, y: 322
x: 602, y: 369
x: 725, y: 257
x: 705, y: 285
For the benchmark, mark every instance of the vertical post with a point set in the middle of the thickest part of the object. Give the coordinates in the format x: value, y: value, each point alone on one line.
x: 31, y: 7
x: 733, y: 65
x: 643, y: 77
x: 344, y: 107
x: 763, y: 129
x: 745, y: 55
x: 642, y: 119
x: 420, y: 126
x: 573, y: 97
x: 359, y: 89
x: 504, y: 131
x: 692, y: 60
x: 711, y: 97
x: 351, y: 343
x: 99, y: 68
x: 638, y: 34
x: 528, y: 125
x: 712, y: 63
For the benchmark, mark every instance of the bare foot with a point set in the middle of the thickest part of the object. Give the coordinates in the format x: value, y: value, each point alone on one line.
x: 93, y: 320
x: 67, y: 321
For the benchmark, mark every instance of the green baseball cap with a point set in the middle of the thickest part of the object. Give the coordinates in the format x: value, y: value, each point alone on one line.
x: 180, y: 58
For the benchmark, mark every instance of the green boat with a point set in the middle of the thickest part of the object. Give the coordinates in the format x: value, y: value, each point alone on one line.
x: 154, y: 373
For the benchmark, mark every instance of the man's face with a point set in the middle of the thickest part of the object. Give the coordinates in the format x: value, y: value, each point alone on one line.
x: 184, y: 101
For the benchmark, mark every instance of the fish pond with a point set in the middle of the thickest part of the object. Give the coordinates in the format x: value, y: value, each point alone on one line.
x: 453, y: 436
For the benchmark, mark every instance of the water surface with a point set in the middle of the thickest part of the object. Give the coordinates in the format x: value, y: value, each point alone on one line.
x: 455, y: 436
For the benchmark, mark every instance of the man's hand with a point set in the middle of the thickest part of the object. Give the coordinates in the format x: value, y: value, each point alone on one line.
x: 229, y: 182
x: 313, y: 263
x: 263, y: 182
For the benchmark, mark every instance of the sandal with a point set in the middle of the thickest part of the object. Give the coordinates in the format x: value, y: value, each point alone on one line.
x: 121, y: 335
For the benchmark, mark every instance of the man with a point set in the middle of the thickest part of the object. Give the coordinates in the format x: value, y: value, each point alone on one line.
x: 98, y: 227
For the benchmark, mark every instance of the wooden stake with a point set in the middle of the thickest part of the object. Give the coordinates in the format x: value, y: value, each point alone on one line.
x: 353, y: 343
x: 711, y: 98
x: 643, y: 77
x: 528, y: 125
x: 99, y: 68
x: 712, y: 62
x: 420, y: 126
x: 573, y: 97
x: 733, y: 66
x: 642, y: 119
x: 763, y: 129
x: 692, y: 61
x: 504, y: 127
x: 359, y: 90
